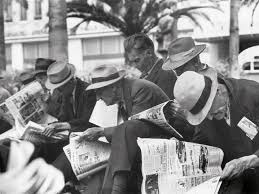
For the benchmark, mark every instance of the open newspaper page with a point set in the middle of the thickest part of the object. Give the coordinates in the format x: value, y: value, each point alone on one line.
x: 27, y: 104
x: 86, y: 157
x: 172, y: 166
x: 159, y: 115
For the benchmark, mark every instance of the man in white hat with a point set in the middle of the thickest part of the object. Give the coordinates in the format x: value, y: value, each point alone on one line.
x: 227, y: 114
x: 183, y: 55
x: 133, y: 96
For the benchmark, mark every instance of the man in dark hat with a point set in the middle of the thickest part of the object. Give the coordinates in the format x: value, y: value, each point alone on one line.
x: 225, y: 112
x: 183, y: 55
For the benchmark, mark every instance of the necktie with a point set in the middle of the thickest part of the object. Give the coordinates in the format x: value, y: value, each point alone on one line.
x: 122, y: 113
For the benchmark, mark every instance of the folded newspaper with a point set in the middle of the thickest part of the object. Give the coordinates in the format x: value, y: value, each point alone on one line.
x: 34, y: 133
x: 159, y: 115
x: 86, y: 157
x: 172, y: 166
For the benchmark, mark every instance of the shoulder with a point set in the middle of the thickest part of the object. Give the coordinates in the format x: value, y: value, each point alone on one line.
x: 146, y: 89
x: 142, y: 84
x: 243, y: 87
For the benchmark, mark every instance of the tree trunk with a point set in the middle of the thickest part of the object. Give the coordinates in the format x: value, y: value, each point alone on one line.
x: 234, y: 39
x: 2, y: 38
x: 58, y: 39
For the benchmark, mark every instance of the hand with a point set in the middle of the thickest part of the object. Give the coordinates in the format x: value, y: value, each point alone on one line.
x: 91, y: 134
x: 236, y: 167
x: 56, y: 127
x: 175, y: 110
x: 48, y: 178
x: 36, y: 177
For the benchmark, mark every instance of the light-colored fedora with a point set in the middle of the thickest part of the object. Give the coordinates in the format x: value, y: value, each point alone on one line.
x: 104, y: 75
x: 59, y: 73
x: 195, y: 93
x: 180, y: 51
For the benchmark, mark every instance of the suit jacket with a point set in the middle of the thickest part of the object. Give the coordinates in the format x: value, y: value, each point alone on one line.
x: 84, y: 105
x: 165, y: 79
x: 139, y: 95
x: 244, y: 102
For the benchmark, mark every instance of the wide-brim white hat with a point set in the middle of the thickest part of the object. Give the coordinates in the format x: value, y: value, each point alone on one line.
x: 105, y: 75
x: 59, y: 73
x: 196, y: 92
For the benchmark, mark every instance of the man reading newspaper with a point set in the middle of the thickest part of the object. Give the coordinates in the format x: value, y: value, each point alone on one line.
x: 133, y: 96
x: 226, y: 113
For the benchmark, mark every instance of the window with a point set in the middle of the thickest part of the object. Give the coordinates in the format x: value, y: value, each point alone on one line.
x: 8, y: 54
x: 32, y: 51
x: 23, y: 13
x: 8, y: 10
x: 37, y: 9
x: 252, y: 66
x: 103, y: 48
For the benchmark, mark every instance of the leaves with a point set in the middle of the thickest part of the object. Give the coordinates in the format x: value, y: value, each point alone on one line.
x: 131, y: 16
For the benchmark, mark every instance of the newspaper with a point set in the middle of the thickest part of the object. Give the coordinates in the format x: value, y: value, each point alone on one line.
x: 172, y: 166
x: 159, y: 115
x: 27, y: 104
x: 34, y: 134
x: 86, y: 157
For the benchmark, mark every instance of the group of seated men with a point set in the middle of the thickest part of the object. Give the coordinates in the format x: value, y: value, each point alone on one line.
x: 213, y: 106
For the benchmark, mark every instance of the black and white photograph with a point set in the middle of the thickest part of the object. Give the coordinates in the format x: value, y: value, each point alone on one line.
x: 169, y: 72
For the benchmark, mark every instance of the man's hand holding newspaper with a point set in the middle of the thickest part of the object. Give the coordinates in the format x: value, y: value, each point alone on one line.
x: 91, y: 134
x: 56, y: 127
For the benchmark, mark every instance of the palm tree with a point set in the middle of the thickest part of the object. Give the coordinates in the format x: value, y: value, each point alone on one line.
x: 58, y: 41
x: 234, y: 38
x: 128, y: 16
x: 2, y: 38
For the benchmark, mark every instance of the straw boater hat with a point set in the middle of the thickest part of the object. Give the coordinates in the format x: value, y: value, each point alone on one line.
x: 180, y: 51
x: 59, y: 73
x: 103, y: 76
x: 195, y: 93
x: 42, y: 65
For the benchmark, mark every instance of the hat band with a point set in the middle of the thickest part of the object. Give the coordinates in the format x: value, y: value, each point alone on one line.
x: 103, y: 79
x: 179, y: 56
x: 63, y: 79
x: 204, y: 96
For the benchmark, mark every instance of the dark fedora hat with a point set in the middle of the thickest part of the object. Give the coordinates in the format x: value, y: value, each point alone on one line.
x: 42, y: 65
x: 180, y: 51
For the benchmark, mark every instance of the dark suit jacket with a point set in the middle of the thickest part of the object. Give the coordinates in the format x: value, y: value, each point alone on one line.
x: 244, y: 102
x: 139, y: 95
x: 165, y: 79
x: 85, y: 102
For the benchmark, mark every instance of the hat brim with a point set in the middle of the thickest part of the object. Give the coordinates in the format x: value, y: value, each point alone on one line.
x: 172, y: 65
x: 196, y: 119
x: 106, y: 83
x: 39, y: 71
x: 52, y: 86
